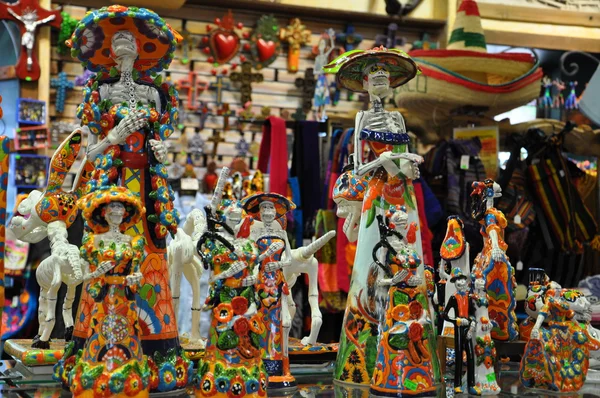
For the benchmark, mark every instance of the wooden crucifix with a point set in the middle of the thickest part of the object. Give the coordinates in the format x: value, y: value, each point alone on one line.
x: 246, y: 78
x: 29, y: 15
x: 307, y: 85
x: 194, y: 85
x: 218, y: 87
x: 295, y: 35
x: 216, y: 139
x: 226, y: 113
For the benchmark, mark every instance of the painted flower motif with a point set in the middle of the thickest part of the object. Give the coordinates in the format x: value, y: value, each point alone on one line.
x: 238, y: 387
x: 153, y: 116
x: 162, y: 194
x: 76, y: 384
x: 122, y: 112
x: 181, y: 372
x: 133, y: 384
x: 169, y: 217
x: 400, y: 312
x: 256, y: 324
x: 415, y: 331
x: 160, y: 230
x: 222, y: 384
x: 107, y: 122
x: 416, y: 309
x: 153, y: 373
x: 116, y: 8
x: 241, y: 326
x: 91, y: 41
x: 165, y: 131
x: 160, y: 170
x: 239, y: 305
x: 166, y: 375
x: 208, y: 385
x: 116, y: 383
x: 101, y: 386
x: 223, y: 312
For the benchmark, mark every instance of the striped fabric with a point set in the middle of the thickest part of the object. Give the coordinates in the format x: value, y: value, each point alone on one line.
x: 467, y: 33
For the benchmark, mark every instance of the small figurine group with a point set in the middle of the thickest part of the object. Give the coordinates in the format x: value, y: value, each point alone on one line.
x: 559, y: 336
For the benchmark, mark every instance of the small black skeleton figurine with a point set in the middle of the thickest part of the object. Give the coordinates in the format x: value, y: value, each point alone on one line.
x: 464, y: 327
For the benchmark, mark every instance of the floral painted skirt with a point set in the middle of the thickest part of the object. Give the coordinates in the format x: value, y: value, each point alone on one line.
x: 406, y: 362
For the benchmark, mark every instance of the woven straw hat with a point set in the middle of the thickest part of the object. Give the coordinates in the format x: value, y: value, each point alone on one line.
x: 464, y: 75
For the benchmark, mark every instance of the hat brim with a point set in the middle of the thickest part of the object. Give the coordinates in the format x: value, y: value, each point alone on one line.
x: 251, y: 204
x: 461, y: 276
x: 91, y: 40
x: 349, y: 67
x: 453, y: 246
x: 93, y: 203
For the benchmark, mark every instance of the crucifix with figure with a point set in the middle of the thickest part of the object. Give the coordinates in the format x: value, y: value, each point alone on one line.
x: 29, y: 15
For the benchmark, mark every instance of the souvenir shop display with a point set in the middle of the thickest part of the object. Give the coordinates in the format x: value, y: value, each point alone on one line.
x: 30, y: 171
x: 321, y: 99
x: 30, y: 111
x: 295, y: 35
x: 264, y: 44
x: 195, y: 85
x: 387, y: 181
x: 223, y: 43
x: 493, y: 263
x: 29, y: 16
x: 406, y: 362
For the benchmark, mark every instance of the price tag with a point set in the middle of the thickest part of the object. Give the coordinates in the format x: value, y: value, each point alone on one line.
x: 491, y: 377
x: 464, y: 162
x: 517, y: 219
x: 520, y: 265
x: 190, y: 184
x: 411, y: 385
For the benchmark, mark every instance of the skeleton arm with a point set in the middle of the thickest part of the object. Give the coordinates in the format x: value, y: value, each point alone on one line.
x: 286, y: 258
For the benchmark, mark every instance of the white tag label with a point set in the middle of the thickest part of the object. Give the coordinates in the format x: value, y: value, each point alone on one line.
x: 517, y: 219
x: 535, y: 161
x: 562, y: 173
x: 464, y: 162
x: 519, y: 265
x: 190, y: 184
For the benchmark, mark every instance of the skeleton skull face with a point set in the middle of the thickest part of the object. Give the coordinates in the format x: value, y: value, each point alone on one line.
x: 479, y: 284
x: 123, y: 44
x: 578, y: 303
x: 376, y: 80
x: 400, y: 219
x: 350, y: 211
x: 462, y: 284
x: 232, y: 212
x: 26, y: 225
x: 115, y: 212
x: 267, y: 212
x: 497, y: 190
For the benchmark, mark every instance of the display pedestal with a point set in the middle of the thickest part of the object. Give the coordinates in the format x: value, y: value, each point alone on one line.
x: 296, y: 348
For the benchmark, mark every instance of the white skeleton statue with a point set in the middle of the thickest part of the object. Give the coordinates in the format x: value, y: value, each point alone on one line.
x: 125, y: 50
x: 304, y: 262
x: 31, y: 22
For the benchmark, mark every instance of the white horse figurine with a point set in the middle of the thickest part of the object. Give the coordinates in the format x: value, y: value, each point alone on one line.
x: 304, y: 262
x: 183, y: 258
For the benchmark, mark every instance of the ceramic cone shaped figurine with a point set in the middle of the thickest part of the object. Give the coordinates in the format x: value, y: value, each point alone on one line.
x: 493, y: 263
x: 405, y: 355
x: 386, y: 181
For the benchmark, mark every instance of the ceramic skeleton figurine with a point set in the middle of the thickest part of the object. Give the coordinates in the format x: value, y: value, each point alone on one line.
x: 304, y: 262
x: 31, y: 22
x: 124, y: 48
x: 50, y: 214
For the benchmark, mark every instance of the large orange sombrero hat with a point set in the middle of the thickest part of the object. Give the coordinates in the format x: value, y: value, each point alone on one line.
x: 251, y: 204
x: 350, y: 66
x: 93, y: 203
x: 91, y: 40
x: 465, y: 75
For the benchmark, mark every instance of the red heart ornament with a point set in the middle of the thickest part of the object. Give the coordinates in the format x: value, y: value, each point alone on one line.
x: 266, y: 49
x: 225, y: 45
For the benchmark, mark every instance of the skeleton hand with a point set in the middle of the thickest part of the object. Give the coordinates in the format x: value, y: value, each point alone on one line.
x: 102, y: 269
x: 249, y: 281
x: 385, y: 282
x: 273, y: 248
x: 273, y: 266
x: 234, y: 269
x: 129, y: 125
x: 134, y: 279
x: 486, y: 327
x: 497, y: 254
x: 399, y: 276
x: 535, y: 334
x: 415, y: 280
x: 160, y: 150
x: 471, y: 330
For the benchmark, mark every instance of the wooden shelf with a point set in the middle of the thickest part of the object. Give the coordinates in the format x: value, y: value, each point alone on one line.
x: 539, y: 15
x: 322, y: 14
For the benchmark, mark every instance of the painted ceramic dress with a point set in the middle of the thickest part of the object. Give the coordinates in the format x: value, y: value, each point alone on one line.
x: 485, y: 352
x: 270, y: 289
x: 405, y: 364
x: 112, y: 362
x: 559, y: 360
x: 500, y: 278
x: 232, y: 366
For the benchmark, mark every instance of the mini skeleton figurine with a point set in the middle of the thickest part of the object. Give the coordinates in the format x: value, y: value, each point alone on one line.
x: 384, y: 181
x: 322, y: 87
x: 464, y: 328
x: 539, y: 283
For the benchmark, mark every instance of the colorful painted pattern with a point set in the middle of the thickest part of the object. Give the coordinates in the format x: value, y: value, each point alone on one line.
x: 559, y: 360
x: 297, y: 348
x: 500, y: 278
x: 21, y: 348
x: 232, y: 365
x: 4, y: 152
x: 485, y: 352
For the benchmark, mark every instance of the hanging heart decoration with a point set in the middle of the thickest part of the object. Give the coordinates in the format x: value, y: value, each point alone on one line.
x: 264, y: 44
x: 223, y: 42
